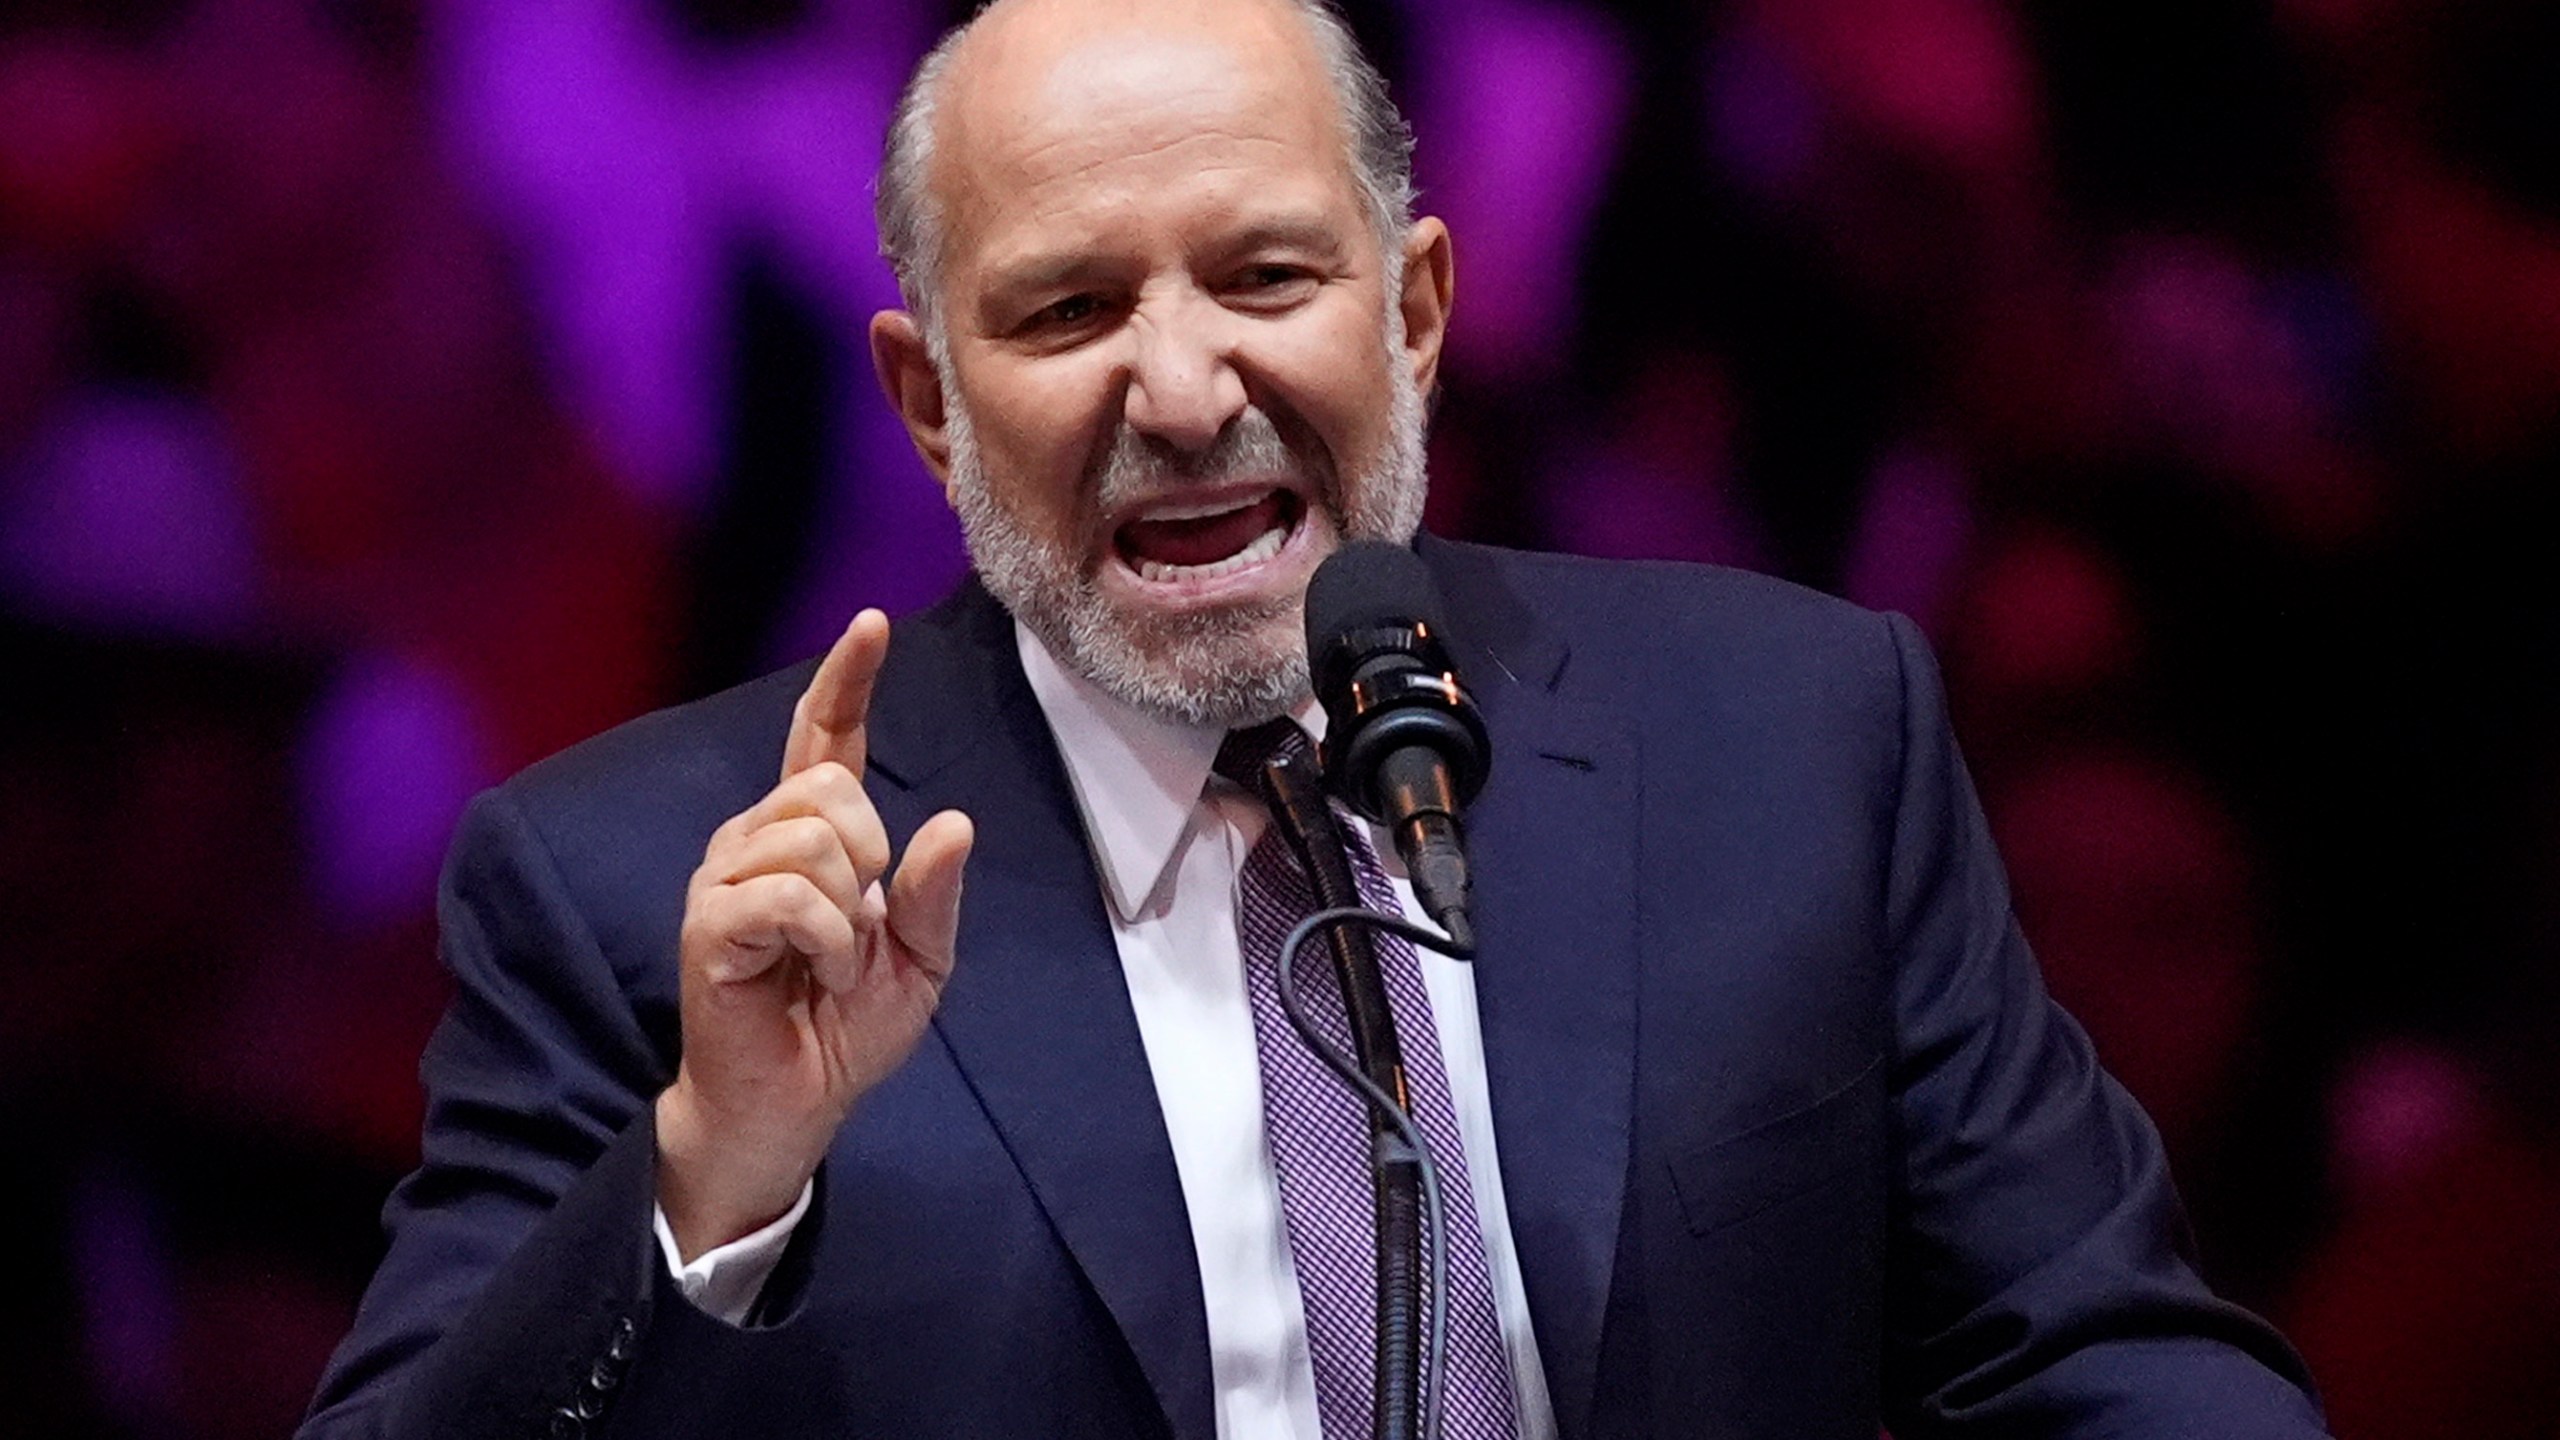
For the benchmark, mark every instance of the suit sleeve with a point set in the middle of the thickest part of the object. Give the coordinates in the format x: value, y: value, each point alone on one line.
x: 2040, y: 1281
x: 518, y: 1250
x: 523, y: 1293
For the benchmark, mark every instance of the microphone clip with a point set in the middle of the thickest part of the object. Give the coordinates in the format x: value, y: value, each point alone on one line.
x: 1386, y: 688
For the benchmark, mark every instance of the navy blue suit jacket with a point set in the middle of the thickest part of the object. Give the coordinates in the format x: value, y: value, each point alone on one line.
x: 1794, y: 1144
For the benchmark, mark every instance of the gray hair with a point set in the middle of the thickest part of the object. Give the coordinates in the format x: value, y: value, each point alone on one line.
x: 1381, y: 154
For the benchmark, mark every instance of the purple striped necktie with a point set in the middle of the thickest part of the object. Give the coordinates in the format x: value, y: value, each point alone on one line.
x: 1318, y: 1131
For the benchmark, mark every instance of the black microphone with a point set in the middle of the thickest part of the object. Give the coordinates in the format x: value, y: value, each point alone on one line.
x: 1403, y: 744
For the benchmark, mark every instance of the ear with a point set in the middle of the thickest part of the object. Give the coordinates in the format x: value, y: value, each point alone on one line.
x: 1429, y: 283
x: 905, y: 366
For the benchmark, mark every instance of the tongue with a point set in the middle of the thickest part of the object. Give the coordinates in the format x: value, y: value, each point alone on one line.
x: 1204, y: 541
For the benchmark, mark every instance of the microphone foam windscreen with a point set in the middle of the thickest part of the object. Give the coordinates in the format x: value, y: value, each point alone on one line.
x: 1366, y: 585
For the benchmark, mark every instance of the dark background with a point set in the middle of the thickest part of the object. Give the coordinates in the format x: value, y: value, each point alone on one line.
x: 394, y: 391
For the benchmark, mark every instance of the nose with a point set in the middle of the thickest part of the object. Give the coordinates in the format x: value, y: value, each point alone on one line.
x: 1184, y: 387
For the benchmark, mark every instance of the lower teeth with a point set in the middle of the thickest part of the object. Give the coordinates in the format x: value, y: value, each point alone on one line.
x: 1264, y: 546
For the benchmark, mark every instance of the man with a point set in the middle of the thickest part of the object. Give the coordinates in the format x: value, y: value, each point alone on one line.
x: 1757, y: 1116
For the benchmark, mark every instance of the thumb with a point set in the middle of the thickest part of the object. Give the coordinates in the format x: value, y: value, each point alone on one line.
x: 924, y: 895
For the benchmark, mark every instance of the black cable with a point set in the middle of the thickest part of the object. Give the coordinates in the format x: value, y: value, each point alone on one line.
x: 1293, y: 788
x: 1435, y: 1342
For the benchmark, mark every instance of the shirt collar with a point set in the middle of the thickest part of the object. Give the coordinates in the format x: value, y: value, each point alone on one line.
x: 1137, y: 777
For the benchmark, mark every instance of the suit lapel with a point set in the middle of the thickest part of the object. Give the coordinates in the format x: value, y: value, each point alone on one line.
x: 1552, y: 843
x: 1037, y: 1014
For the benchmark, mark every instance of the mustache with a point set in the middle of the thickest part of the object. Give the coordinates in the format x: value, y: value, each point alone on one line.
x: 1253, y: 446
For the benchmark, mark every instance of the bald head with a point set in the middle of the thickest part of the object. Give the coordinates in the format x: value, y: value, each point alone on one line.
x: 1168, y: 328
x: 1018, y: 59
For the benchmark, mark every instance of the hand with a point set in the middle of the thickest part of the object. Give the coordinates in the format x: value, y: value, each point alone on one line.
x: 805, y: 979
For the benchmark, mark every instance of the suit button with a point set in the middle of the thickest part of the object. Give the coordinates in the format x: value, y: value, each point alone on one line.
x: 567, y: 1425
x: 588, y: 1406
x: 604, y: 1377
x: 625, y: 1336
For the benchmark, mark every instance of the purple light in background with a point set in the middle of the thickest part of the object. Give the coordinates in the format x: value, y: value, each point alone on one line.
x: 128, y: 1311
x: 1647, y: 512
x: 2396, y: 1108
x: 800, y: 133
x: 1948, y: 79
x: 1764, y: 123
x: 125, y: 514
x: 393, y: 752
x: 561, y: 116
x: 631, y: 168
x: 1913, y: 529
x: 1520, y: 105
x: 890, y: 539
x: 2335, y: 335
x: 1660, y: 487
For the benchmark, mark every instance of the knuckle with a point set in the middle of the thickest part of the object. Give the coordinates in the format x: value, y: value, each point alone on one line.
x: 851, y: 805
x: 805, y: 837
x: 837, y: 932
x: 791, y: 896
x: 710, y: 919
x: 869, y: 846
x: 823, y: 914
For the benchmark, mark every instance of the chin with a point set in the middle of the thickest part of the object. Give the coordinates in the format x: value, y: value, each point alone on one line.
x: 1226, y: 665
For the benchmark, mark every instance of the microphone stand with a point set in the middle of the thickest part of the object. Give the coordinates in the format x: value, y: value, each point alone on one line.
x: 1396, y: 1162
x: 1435, y: 1232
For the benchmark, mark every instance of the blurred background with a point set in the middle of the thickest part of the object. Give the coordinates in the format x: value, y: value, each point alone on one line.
x: 394, y: 391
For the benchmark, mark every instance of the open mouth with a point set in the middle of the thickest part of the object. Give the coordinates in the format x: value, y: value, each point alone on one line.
x: 1190, y: 543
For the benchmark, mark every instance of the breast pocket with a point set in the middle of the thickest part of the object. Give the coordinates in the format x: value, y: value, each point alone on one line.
x: 1728, y: 1181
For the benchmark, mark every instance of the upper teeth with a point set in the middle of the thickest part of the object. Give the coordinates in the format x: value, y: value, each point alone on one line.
x: 1264, y: 546
x: 1198, y: 509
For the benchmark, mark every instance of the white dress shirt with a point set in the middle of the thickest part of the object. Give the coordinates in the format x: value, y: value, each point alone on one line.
x: 1170, y: 842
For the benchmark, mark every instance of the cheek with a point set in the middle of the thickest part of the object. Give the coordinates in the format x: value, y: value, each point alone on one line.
x: 1335, y: 376
x: 1035, y: 435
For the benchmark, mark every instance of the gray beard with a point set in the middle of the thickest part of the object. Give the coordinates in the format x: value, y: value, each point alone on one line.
x: 1224, y: 667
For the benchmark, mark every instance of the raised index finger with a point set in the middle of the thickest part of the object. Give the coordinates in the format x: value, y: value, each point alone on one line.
x: 831, y: 720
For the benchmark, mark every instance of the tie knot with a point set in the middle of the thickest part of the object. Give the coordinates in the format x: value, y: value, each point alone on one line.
x: 1249, y: 751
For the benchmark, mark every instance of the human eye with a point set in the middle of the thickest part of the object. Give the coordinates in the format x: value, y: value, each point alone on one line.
x: 1071, y: 310
x: 1271, y: 285
x: 1066, y: 320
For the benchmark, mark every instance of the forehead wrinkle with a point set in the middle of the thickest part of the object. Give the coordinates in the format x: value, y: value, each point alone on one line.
x: 1142, y: 166
x: 1039, y: 146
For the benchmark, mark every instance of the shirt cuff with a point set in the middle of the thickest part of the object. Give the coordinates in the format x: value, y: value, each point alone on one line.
x: 724, y: 1280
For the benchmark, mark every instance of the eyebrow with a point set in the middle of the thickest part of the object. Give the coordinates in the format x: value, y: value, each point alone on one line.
x: 1069, y: 269
x: 1045, y: 271
x: 1284, y: 232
